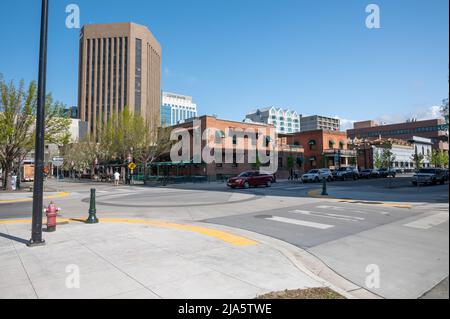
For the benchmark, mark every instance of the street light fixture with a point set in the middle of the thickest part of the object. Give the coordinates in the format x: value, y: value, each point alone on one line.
x: 38, y: 190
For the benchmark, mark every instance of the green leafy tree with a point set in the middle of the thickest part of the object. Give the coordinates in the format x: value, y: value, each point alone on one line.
x: 378, y: 161
x: 17, y: 125
x: 418, y: 160
x: 387, y: 156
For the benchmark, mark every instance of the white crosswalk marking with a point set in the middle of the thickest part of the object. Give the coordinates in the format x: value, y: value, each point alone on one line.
x: 300, y: 222
x: 328, y: 215
x: 429, y: 221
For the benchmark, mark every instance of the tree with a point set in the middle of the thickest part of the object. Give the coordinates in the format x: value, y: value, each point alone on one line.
x: 378, y: 161
x: 438, y: 158
x: 387, y: 156
x: 418, y: 160
x: 17, y: 121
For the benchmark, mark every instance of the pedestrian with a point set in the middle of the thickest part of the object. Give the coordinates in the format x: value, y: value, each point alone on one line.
x: 14, y: 181
x: 116, y: 178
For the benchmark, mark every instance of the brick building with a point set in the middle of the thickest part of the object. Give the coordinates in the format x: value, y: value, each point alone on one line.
x: 432, y: 129
x: 324, y: 149
x: 289, y: 156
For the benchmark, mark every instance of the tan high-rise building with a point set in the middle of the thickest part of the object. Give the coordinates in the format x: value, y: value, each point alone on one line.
x: 120, y: 65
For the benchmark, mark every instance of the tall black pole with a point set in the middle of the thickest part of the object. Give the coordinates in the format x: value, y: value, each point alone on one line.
x: 38, y: 192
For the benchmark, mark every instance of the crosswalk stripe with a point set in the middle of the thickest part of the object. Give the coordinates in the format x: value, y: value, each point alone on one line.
x: 429, y: 221
x: 328, y: 215
x: 299, y: 222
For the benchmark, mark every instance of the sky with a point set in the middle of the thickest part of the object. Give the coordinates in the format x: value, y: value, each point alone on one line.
x: 232, y: 56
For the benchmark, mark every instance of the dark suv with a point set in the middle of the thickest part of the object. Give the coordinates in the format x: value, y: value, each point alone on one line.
x: 429, y: 176
x: 345, y: 173
x: 384, y: 172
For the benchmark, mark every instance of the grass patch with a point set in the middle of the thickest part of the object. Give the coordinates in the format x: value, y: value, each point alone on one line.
x: 311, y: 293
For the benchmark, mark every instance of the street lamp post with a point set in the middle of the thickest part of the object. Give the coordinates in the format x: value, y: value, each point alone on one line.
x: 38, y: 191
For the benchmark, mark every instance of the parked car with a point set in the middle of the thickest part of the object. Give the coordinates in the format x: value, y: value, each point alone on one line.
x: 429, y: 176
x: 345, y: 173
x: 317, y: 175
x: 384, y: 172
x: 250, y: 179
x: 369, y: 173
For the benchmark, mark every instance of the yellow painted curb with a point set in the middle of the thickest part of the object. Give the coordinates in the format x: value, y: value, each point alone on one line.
x: 23, y: 200
x: 229, y: 238
x: 316, y: 194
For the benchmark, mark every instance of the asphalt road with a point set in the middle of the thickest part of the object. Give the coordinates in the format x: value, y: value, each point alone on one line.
x: 409, y: 246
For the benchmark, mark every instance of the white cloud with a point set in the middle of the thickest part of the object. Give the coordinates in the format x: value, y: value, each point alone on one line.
x: 432, y: 112
x: 429, y: 113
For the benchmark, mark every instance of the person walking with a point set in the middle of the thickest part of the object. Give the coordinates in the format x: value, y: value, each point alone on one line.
x: 116, y: 178
x: 14, y: 181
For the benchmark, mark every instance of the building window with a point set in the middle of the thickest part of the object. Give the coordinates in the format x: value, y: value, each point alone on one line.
x: 138, y: 76
x: 331, y: 144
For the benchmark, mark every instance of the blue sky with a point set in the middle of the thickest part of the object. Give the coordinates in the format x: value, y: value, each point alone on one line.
x: 235, y: 55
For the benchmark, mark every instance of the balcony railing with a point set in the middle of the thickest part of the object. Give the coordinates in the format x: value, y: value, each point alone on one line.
x: 341, y: 152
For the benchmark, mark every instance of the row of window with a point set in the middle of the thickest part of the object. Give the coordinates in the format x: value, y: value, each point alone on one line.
x: 404, y: 132
x: 98, y: 64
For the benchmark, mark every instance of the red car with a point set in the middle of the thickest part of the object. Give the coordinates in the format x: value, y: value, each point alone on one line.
x: 250, y: 179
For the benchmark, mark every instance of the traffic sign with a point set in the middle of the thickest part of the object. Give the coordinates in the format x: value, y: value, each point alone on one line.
x: 132, y: 166
x: 58, y: 161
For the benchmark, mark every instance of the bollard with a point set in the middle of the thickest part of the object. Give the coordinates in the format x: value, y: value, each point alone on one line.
x: 92, y: 210
x: 324, y: 187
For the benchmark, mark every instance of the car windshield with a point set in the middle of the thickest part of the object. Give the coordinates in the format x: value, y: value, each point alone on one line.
x: 313, y: 171
x: 366, y: 171
x: 342, y: 169
x: 427, y: 171
x: 245, y: 174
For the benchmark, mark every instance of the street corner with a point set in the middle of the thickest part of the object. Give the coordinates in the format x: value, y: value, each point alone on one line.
x: 156, y: 258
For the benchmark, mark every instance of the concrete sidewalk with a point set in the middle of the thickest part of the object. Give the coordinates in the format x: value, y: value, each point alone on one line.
x: 123, y: 258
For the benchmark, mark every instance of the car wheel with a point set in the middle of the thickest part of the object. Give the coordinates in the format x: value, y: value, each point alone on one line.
x: 414, y: 183
x: 329, y: 179
x: 316, y: 180
x: 269, y: 184
x: 246, y: 185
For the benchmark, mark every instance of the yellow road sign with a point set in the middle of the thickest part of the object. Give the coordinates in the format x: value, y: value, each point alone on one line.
x: 132, y: 166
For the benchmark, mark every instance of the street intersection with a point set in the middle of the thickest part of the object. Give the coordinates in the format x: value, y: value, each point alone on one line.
x: 347, y: 233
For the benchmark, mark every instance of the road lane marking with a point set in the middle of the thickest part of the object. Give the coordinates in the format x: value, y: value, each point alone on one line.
x: 429, y: 221
x: 316, y: 193
x: 23, y: 200
x: 328, y: 215
x: 299, y: 222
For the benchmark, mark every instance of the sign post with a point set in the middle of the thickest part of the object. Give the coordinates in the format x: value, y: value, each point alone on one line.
x: 131, y: 167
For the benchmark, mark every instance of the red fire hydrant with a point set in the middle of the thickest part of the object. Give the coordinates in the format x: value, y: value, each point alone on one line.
x: 51, y: 211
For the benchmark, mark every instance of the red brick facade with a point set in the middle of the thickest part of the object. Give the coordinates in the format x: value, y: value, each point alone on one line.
x: 287, y: 154
x: 323, y: 147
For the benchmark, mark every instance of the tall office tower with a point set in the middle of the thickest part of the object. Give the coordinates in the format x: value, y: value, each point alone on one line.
x: 120, y: 65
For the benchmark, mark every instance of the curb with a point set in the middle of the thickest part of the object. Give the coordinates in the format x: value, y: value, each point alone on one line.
x: 309, y: 264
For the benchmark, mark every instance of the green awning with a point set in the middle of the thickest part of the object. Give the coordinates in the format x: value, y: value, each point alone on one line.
x: 312, y: 142
x: 312, y: 158
x: 331, y: 142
